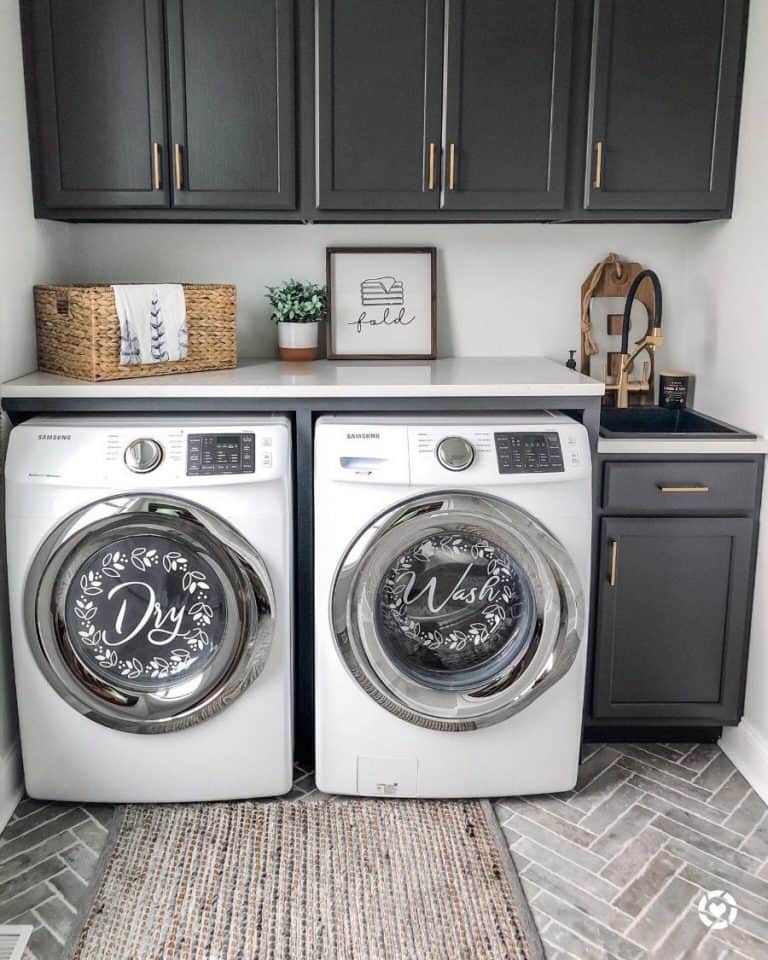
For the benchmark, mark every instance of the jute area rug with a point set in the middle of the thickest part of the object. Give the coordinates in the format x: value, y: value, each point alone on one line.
x: 321, y: 880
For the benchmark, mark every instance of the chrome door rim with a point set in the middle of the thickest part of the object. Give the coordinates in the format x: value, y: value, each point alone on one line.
x: 560, y: 614
x: 248, y: 632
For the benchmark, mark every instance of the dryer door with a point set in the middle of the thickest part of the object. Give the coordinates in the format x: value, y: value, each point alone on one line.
x: 148, y: 614
x: 456, y: 610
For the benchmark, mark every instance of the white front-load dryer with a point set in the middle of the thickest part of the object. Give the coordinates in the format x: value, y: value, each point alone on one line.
x: 452, y: 567
x: 150, y: 568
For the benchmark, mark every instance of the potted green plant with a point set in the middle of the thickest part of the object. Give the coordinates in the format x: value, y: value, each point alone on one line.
x: 297, y: 309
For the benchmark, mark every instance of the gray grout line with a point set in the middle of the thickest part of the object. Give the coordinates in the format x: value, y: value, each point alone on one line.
x: 648, y: 906
x: 39, y: 917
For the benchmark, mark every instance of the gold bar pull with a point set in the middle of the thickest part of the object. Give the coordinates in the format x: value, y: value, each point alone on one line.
x: 178, y: 167
x: 431, y: 172
x: 452, y: 167
x: 684, y: 488
x: 613, y: 562
x: 157, y: 176
x: 598, y: 181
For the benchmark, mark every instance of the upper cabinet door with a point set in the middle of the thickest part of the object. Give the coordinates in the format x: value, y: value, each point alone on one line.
x: 96, y: 75
x: 379, y: 65
x: 665, y: 91
x: 508, y: 81
x: 231, y: 84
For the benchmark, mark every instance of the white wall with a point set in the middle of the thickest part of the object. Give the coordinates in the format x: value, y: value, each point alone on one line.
x: 502, y: 289
x: 727, y: 346
x: 30, y: 251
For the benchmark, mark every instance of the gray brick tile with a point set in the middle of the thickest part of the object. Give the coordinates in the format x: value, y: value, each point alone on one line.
x: 43, y: 945
x: 58, y: 917
x: 587, y: 928
x: 627, y: 864
x: 741, y: 940
x: 70, y: 886
x: 663, y: 751
x: 732, y: 792
x: 707, y: 880
x: 28, y: 858
x: 573, y: 894
x: 553, y: 841
x: 657, y: 789
x: 701, y: 756
x: 552, y: 804
x: 101, y: 812
x: 43, y: 814
x: 91, y: 833
x: 712, y: 830
x: 570, y: 943
x: 756, y: 843
x: 63, y: 822
x: 26, y: 900
x: 685, y: 939
x: 749, y: 812
x: 598, y: 762
x: 611, y: 808
x: 622, y: 831
x: 706, y: 844
x: 544, y: 818
x: 37, y: 873
x: 599, y: 789
x: 713, y: 776
x: 81, y: 859
x: 728, y: 874
x: 754, y: 924
x: 27, y: 806
x: 596, y: 885
x: 672, y: 901
x: 673, y: 769
x: 511, y: 836
x: 658, y: 872
x: 666, y: 779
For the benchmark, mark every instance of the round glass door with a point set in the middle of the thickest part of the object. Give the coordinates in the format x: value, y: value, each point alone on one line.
x: 455, y: 610
x: 149, y: 614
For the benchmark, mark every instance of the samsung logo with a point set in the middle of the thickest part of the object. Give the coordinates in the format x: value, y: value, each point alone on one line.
x: 54, y: 436
x: 363, y: 436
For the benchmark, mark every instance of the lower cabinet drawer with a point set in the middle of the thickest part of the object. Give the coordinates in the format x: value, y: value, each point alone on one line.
x: 681, y: 486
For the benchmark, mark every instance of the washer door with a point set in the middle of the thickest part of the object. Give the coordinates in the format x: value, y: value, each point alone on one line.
x: 456, y: 610
x: 148, y: 614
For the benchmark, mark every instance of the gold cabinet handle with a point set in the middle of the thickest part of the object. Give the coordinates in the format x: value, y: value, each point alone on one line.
x: 684, y: 488
x: 157, y: 175
x: 613, y: 562
x: 599, y: 149
x: 431, y: 178
x: 178, y: 166
x: 452, y: 167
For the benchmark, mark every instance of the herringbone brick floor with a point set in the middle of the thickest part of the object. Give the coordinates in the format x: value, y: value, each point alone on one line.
x: 614, y: 870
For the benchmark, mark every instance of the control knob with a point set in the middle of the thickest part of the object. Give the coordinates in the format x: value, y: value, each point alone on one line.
x: 455, y: 453
x: 143, y: 456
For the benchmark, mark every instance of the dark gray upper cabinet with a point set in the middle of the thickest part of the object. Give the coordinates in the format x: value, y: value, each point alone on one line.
x: 97, y: 84
x: 231, y: 95
x: 507, y: 91
x: 379, y: 67
x: 664, y: 104
x: 674, y: 601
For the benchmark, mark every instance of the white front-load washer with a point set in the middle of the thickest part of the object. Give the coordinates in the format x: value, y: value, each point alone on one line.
x: 149, y: 570
x: 452, y: 567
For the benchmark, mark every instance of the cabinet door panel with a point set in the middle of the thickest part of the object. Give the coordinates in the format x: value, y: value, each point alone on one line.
x: 231, y: 79
x: 672, y: 630
x: 508, y: 82
x: 378, y: 101
x: 98, y: 79
x: 664, y: 103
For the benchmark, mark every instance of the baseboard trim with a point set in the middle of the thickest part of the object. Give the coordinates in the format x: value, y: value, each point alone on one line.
x: 11, y: 783
x: 748, y: 750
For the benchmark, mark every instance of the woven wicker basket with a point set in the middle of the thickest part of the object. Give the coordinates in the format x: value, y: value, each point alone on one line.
x: 78, y: 332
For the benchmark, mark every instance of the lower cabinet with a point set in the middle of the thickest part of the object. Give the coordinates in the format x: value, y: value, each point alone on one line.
x: 673, y: 611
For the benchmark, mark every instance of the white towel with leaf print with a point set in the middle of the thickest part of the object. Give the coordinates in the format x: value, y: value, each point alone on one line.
x: 153, y: 322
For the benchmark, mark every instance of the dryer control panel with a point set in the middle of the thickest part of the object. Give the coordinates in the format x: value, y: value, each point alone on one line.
x: 529, y: 452
x: 212, y: 454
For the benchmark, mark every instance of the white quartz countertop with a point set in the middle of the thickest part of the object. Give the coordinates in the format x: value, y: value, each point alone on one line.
x: 457, y: 377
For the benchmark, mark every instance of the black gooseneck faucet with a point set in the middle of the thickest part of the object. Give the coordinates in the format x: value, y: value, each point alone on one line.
x: 653, y: 277
x: 650, y: 342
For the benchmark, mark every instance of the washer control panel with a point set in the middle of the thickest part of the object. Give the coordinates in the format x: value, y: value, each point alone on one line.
x: 211, y: 454
x: 529, y: 452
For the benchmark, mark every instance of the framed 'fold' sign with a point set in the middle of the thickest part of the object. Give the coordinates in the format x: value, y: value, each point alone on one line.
x: 381, y: 303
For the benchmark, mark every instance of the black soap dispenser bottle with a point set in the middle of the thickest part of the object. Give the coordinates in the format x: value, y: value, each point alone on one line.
x: 571, y: 361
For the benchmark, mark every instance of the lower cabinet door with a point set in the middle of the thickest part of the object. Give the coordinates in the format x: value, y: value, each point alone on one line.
x: 673, y: 615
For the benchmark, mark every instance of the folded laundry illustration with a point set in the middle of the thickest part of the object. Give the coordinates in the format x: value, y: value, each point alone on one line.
x: 382, y: 292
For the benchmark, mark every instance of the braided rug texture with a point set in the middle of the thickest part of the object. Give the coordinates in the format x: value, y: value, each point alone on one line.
x: 321, y: 880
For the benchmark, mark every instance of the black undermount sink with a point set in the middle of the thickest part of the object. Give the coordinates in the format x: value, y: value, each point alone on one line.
x: 665, y: 423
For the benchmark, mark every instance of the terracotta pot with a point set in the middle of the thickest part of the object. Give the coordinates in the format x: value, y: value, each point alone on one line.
x: 297, y: 341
